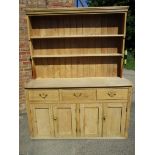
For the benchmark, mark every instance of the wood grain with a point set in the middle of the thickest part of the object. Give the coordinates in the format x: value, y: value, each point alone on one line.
x: 77, y: 64
x: 78, y: 82
x: 72, y: 11
x: 90, y: 120
x: 114, y: 119
x: 65, y: 120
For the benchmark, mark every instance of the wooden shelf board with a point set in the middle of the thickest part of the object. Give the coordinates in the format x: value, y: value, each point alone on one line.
x: 74, y: 10
x: 78, y: 55
x: 76, y: 36
x: 78, y: 82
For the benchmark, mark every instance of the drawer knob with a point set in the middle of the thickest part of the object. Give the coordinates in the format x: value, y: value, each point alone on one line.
x: 55, y: 118
x: 111, y: 93
x: 104, y: 118
x: 77, y: 94
x: 43, y: 95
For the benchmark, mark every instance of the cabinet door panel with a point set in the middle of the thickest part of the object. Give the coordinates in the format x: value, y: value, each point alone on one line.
x: 115, y: 116
x: 65, y: 120
x: 41, y: 120
x: 90, y: 120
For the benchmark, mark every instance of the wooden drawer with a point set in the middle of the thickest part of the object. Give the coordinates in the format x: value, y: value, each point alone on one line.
x: 78, y: 94
x: 45, y: 95
x: 112, y: 93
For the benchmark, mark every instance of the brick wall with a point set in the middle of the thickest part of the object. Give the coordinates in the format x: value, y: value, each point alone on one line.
x: 24, y: 51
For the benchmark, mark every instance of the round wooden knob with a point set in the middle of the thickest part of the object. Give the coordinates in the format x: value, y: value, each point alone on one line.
x: 104, y: 118
x: 55, y: 118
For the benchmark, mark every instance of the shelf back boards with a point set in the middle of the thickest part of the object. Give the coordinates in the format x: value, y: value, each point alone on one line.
x: 75, y: 42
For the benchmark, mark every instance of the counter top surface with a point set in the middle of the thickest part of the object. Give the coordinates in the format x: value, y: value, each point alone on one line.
x: 78, y: 82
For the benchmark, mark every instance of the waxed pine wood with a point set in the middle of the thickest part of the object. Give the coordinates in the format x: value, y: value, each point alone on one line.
x: 77, y: 90
x: 91, y: 120
x: 65, y: 120
x: 80, y: 67
x: 41, y: 119
x: 71, y: 25
x: 75, y: 114
x: 114, y: 119
x: 88, y: 35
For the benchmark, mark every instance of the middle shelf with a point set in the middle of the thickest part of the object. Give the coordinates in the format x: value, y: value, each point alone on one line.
x: 79, y: 55
x: 77, y: 36
x: 76, y: 46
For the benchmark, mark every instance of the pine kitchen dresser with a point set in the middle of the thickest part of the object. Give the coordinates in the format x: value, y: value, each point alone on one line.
x: 77, y: 89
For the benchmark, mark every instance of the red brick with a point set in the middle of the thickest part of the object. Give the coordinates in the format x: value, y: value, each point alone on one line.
x: 24, y: 53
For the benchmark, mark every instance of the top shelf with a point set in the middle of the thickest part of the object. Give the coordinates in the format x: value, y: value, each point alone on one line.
x: 77, y: 36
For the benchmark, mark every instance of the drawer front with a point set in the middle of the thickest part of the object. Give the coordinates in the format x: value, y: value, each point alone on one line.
x: 112, y: 93
x: 78, y: 94
x: 43, y: 95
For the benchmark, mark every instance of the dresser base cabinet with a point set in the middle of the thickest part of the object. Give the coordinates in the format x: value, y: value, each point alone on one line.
x: 73, y: 112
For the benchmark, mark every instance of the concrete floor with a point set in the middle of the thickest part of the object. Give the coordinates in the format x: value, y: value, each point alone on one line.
x: 79, y: 147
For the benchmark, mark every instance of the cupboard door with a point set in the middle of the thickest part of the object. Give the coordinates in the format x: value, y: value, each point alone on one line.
x: 42, y: 120
x: 114, y: 119
x: 90, y: 120
x: 65, y: 120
